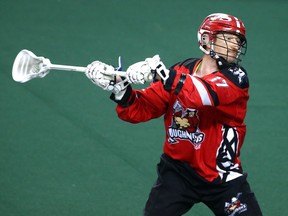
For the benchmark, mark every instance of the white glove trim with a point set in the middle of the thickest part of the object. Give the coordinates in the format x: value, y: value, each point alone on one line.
x: 157, y: 66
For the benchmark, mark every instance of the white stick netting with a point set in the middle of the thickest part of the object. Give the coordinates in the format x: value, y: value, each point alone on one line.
x: 28, y: 66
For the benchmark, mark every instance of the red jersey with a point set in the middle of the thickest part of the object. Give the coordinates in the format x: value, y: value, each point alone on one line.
x: 204, y: 117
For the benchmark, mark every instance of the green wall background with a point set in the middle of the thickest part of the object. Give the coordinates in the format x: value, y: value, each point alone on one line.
x: 63, y: 151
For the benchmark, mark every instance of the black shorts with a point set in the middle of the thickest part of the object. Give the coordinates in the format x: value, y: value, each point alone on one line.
x: 179, y: 187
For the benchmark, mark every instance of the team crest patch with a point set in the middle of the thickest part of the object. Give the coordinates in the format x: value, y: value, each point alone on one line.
x: 235, y: 207
x: 185, y: 126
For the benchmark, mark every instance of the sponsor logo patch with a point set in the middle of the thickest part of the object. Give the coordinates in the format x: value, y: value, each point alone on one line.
x: 235, y: 207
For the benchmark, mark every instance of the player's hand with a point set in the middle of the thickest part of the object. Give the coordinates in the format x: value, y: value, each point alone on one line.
x: 147, y: 71
x: 139, y: 73
x: 102, y: 75
x: 158, y: 68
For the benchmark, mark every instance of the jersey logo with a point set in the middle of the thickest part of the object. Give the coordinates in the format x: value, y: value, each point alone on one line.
x: 240, y: 74
x: 235, y: 206
x: 185, y: 126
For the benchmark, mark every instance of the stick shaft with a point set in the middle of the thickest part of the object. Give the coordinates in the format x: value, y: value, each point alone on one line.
x: 67, y: 68
x: 78, y: 69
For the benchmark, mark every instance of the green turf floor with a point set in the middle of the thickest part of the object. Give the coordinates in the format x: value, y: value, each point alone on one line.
x: 63, y: 151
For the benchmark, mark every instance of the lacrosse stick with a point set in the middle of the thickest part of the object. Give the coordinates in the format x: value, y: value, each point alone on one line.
x: 28, y: 66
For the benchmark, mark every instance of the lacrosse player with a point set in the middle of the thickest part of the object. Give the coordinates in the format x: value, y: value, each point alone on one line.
x: 204, y: 103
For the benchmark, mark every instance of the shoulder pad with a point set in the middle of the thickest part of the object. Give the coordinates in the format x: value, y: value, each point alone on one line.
x: 237, y: 75
x: 188, y: 63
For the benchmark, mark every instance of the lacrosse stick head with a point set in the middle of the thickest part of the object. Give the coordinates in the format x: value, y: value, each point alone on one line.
x: 28, y: 66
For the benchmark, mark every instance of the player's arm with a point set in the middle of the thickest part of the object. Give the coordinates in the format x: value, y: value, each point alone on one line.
x: 149, y: 103
x: 133, y: 105
x: 142, y: 105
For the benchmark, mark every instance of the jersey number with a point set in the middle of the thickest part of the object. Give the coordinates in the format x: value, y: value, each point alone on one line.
x: 219, y: 81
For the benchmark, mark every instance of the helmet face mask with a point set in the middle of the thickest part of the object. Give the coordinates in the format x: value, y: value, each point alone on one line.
x: 231, y: 47
x: 216, y: 28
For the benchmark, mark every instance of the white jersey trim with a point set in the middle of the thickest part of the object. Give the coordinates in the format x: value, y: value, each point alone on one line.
x: 204, y: 95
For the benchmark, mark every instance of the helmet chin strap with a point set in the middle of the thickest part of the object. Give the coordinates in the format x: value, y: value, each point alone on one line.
x: 204, y: 50
x: 220, y: 61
